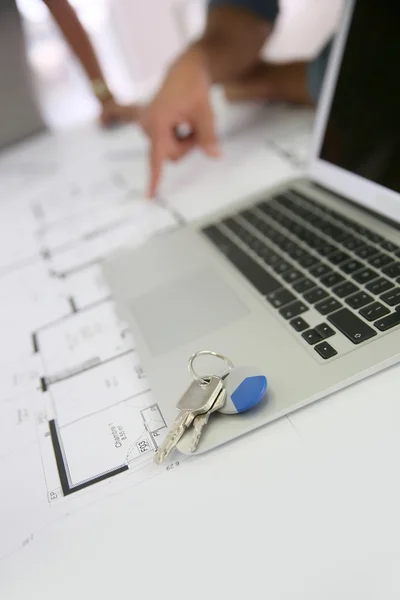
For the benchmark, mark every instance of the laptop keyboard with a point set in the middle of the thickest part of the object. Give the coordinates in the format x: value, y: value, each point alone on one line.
x: 302, y: 256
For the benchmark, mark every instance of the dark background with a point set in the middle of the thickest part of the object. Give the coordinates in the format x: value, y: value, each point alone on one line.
x: 363, y: 131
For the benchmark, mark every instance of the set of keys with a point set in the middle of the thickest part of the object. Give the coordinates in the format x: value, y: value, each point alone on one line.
x: 235, y: 392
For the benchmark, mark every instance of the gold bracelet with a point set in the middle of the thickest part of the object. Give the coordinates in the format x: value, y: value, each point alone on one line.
x: 101, y: 90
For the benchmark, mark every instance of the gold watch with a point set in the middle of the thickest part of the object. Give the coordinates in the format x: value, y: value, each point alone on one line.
x: 101, y: 90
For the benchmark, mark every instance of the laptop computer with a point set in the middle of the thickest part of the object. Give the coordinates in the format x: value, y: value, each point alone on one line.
x: 302, y: 281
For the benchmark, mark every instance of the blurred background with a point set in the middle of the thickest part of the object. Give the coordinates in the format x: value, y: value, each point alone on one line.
x: 137, y: 39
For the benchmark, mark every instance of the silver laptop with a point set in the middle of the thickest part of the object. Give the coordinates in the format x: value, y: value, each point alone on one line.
x: 302, y: 281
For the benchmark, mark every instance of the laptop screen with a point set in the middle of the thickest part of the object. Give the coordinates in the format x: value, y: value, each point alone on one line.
x: 363, y: 127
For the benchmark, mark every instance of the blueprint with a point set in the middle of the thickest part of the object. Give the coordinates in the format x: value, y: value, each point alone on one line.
x: 77, y: 417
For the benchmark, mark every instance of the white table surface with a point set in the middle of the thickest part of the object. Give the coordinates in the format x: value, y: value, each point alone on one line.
x: 305, y: 508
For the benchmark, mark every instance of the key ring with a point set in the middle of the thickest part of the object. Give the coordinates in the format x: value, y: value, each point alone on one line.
x: 201, y: 380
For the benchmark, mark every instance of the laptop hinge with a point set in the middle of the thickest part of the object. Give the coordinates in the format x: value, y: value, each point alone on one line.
x: 369, y: 211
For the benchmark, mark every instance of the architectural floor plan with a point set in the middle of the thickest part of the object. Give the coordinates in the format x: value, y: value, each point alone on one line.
x: 76, y: 411
x: 77, y: 417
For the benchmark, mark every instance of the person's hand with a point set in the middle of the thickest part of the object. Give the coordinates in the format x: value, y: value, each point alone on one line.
x: 113, y: 113
x: 182, y: 100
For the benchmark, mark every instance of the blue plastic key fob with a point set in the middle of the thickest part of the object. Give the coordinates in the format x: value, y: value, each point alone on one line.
x: 245, y: 388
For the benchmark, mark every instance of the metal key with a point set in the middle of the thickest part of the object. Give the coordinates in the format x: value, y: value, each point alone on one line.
x: 201, y: 421
x: 198, y: 399
x: 244, y: 388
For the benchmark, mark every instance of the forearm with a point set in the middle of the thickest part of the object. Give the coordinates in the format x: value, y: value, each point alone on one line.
x: 76, y: 37
x: 232, y: 41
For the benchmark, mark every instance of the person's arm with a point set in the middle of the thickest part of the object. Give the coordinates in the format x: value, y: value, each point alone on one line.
x: 78, y: 40
x: 235, y: 33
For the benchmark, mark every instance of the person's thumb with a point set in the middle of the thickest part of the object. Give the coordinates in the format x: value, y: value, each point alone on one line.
x: 205, y: 132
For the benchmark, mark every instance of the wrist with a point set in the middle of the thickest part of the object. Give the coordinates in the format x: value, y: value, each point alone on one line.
x: 217, y: 54
x: 206, y: 52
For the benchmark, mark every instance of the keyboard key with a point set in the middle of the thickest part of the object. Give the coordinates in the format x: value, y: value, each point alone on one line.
x: 315, y: 295
x: 332, y: 279
x: 392, y: 270
x: 351, y: 326
x: 287, y: 245
x: 281, y: 266
x: 314, y: 241
x: 389, y: 321
x: 278, y: 238
x: 293, y: 310
x: 365, y: 275
x: 272, y: 234
x: 249, y: 214
x: 299, y: 324
x: 325, y: 350
x: 351, y: 242
x: 380, y: 260
x: 311, y: 337
x: 251, y: 270
x: 317, y: 222
x: 280, y: 298
x: 351, y: 266
x: 339, y: 257
x: 332, y: 231
x: 285, y: 200
x: 298, y: 230
x: 374, y: 311
x: 373, y: 237
x: 328, y: 305
x: 326, y: 249
x: 292, y: 275
x: 252, y: 218
x: 345, y: 289
x: 290, y: 247
x: 256, y: 245
x: 379, y: 285
x: 343, y: 236
x: 320, y: 270
x: 359, y: 300
x: 295, y: 252
x: 359, y: 228
x: 392, y: 298
x: 366, y: 251
x: 304, y: 285
x: 261, y: 226
x: 307, y: 260
x: 286, y: 223
x: 216, y: 236
x: 244, y: 234
x: 265, y: 254
x: 389, y: 246
x: 299, y: 196
x: 324, y: 331
x: 272, y: 258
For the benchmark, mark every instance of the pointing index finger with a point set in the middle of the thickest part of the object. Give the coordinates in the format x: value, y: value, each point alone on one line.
x: 157, y: 157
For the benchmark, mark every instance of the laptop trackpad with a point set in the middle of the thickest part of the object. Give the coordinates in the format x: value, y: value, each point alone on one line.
x: 176, y: 313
